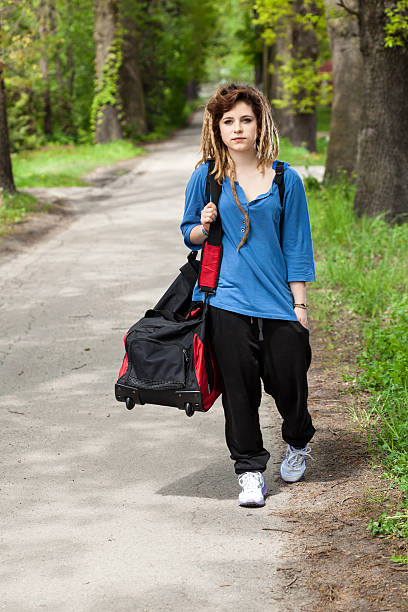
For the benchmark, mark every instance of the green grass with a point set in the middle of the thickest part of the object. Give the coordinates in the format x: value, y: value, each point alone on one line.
x: 362, y: 267
x: 323, y: 118
x: 14, y: 207
x: 300, y: 156
x: 64, y: 165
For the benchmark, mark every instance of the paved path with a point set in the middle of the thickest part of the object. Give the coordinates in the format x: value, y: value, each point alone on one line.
x: 104, y: 509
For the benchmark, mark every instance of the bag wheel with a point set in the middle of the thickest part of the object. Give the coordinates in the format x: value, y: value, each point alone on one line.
x: 130, y: 403
x: 189, y: 409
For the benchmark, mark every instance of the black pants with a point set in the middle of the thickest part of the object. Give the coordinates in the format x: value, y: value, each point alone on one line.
x: 247, y: 350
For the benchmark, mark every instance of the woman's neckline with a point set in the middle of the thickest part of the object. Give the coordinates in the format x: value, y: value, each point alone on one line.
x: 260, y: 195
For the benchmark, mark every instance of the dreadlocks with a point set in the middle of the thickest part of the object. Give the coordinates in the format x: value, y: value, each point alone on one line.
x: 212, y: 146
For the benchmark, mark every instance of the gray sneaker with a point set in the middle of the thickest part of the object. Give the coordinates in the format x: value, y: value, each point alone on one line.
x: 294, y: 464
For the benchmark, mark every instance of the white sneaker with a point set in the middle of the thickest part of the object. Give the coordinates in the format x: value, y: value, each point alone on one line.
x: 294, y: 464
x: 253, y: 489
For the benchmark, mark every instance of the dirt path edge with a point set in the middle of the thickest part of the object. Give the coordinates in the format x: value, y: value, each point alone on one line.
x: 331, y: 558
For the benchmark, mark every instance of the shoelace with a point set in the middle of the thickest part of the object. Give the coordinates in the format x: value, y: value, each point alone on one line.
x: 249, y: 481
x: 295, y: 456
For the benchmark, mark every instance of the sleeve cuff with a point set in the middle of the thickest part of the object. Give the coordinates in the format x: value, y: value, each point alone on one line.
x: 302, y: 278
x: 186, y: 232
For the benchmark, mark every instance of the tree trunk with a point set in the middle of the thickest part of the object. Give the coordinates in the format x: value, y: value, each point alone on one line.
x: 382, y: 158
x: 258, y: 69
x: 107, y: 127
x: 347, y: 91
x: 45, y: 10
x: 304, y: 130
x: 304, y: 47
x: 130, y: 83
x: 283, y: 117
x: 192, y: 90
x: 66, y: 109
x: 268, y: 58
x: 6, y: 172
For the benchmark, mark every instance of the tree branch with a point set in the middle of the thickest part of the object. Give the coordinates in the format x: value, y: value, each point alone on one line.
x: 348, y: 9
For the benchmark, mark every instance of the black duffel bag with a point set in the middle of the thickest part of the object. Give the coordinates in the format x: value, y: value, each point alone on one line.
x: 168, y: 359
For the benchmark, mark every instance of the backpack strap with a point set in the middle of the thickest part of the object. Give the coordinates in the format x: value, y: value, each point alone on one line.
x: 280, y: 180
x: 211, y: 254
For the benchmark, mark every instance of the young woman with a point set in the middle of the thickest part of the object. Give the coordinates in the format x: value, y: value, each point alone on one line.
x: 258, y: 315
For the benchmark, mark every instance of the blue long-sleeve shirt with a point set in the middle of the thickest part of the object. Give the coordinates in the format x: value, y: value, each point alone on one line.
x: 254, y: 280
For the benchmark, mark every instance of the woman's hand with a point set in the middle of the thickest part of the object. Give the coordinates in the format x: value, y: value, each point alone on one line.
x: 208, y: 215
x: 298, y: 289
x: 301, y: 314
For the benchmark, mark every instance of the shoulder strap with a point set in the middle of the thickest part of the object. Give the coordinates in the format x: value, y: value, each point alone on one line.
x: 211, y: 254
x: 213, y: 188
x: 213, y: 192
x: 280, y: 179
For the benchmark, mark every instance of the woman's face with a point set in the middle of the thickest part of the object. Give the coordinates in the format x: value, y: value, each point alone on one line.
x: 238, y: 128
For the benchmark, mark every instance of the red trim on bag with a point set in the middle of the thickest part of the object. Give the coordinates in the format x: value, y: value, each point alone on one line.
x: 125, y: 360
x: 201, y: 375
x: 193, y: 313
x: 209, y: 265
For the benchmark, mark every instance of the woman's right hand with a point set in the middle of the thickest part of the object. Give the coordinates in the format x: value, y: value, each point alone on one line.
x: 208, y: 215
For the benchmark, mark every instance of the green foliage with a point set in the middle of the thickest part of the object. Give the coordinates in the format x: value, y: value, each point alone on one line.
x: 14, y: 207
x: 302, y: 84
x: 400, y: 559
x: 396, y: 525
x: 231, y: 53
x: 63, y: 166
x: 300, y: 156
x: 18, y: 51
x: 175, y: 37
x: 276, y: 15
x: 24, y: 132
x: 363, y: 267
x: 387, y: 360
x: 68, y: 49
x: 396, y: 27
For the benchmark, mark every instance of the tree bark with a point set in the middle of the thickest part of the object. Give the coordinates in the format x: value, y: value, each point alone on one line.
x: 304, y: 130
x: 268, y: 58
x: 130, y: 82
x: 382, y: 158
x: 347, y: 77
x: 304, y: 46
x: 108, y: 127
x: 192, y: 90
x: 6, y: 171
x: 283, y: 117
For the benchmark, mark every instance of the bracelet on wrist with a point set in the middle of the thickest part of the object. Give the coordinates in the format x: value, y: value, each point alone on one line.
x: 203, y: 231
x: 300, y: 306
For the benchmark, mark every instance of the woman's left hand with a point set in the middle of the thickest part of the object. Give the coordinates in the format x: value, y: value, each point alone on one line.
x: 301, y: 314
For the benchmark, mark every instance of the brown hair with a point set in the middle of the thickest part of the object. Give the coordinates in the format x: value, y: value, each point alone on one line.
x: 212, y: 146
